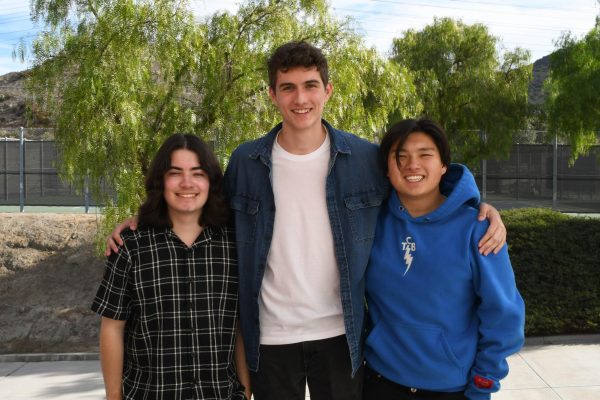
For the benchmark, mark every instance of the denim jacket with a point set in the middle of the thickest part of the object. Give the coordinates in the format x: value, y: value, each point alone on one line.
x: 355, y: 190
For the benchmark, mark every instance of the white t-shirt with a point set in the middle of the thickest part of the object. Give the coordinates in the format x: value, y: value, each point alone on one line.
x: 300, y: 293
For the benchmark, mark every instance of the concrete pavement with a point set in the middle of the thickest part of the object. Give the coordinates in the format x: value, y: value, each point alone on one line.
x: 553, y: 372
x: 541, y: 371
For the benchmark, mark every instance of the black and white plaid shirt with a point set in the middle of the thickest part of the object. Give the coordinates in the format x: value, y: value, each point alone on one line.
x: 180, y: 305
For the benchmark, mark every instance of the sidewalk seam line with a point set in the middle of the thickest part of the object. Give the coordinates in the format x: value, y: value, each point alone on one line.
x: 15, y: 370
x: 539, y: 376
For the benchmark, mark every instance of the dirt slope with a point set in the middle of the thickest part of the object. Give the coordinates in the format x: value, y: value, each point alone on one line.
x: 48, y: 277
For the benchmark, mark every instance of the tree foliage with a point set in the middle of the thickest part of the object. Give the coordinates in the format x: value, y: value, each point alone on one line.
x: 120, y: 76
x: 573, y: 105
x: 466, y: 86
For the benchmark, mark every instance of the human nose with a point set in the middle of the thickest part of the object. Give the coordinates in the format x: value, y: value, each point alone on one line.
x: 300, y: 96
x: 411, y: 162
x: 186, y: 180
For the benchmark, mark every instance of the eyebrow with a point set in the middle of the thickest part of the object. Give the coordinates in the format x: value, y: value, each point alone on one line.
x: 419, y: 149
x: 318, y: 82
x: 311, y: 81
x: 181, y: 169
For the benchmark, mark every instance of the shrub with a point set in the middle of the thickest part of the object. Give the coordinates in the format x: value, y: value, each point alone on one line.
x: 556, y: 259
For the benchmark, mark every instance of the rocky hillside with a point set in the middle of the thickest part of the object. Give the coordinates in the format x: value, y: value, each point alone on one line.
x: 16, y: 110
x: 12, y: 100
x: 541, y: 68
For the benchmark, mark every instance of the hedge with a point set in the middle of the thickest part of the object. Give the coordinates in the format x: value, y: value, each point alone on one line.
x: 556, y: 259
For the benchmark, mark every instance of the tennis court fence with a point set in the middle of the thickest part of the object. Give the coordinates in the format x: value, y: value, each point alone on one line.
x: 535, y: 174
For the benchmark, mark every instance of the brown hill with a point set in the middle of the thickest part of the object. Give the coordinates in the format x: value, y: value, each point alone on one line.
x: 541, y: 69
x: 16, y: 109
x: 12, y: 100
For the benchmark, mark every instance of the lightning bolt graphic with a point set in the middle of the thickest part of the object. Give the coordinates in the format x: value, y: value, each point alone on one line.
x: 408, y: 259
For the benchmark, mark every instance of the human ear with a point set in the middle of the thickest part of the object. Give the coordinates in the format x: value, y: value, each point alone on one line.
x: 329, y: 90
x: 272, y: 94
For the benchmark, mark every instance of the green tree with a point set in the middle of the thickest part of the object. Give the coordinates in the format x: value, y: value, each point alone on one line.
x: 113, y: 75
x: 466, y: 86
x: 573, y: 84
x: 120, y: 76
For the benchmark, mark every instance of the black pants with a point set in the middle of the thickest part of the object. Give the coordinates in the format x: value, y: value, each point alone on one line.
x: 379, y: 388
x: 284, y: 371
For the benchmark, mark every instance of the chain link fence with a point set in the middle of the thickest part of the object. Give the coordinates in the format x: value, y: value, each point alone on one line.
x: 538, y: 173
x: 28, y: 172
x: 535, y: 175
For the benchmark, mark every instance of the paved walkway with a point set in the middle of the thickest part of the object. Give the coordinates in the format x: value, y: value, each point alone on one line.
x: 538, y: 372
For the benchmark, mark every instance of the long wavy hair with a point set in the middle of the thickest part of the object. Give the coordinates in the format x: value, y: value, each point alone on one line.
x: 154, y: 211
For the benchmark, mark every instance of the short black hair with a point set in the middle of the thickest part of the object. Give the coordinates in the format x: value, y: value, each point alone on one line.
x: 154, y: 211
x: 398, y: 134
x: 296, y: 54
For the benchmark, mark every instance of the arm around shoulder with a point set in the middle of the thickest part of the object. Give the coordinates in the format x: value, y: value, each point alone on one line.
x: 114, y: 240
x: 495, y: 237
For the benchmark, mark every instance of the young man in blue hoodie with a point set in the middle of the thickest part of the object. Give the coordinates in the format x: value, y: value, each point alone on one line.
x: 444, y: 318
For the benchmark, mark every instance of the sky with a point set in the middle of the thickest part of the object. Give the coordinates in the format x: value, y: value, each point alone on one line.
x: 531, y: 24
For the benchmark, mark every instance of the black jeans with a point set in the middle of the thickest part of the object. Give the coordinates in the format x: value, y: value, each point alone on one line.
x: 378, y: 387
x: 323, y: 365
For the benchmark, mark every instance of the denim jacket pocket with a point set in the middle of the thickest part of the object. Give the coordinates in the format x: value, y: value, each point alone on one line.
x: 363, y: 209
x: 245, y: 211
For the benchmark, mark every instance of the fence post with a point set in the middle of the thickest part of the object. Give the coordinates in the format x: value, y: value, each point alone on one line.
x: 42, y: 168
x: 555, y: 174
x: 86, y: 194
x: 5, y: 169
x: 21, y: 171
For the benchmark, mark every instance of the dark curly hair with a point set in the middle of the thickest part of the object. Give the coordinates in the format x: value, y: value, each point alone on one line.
x: 154, y: 211
x: 296, y: 54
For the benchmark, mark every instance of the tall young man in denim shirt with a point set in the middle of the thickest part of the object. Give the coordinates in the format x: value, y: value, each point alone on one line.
x: 305, y: 200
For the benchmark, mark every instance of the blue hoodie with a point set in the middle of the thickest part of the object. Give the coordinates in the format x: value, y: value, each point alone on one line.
x: 443, y: 317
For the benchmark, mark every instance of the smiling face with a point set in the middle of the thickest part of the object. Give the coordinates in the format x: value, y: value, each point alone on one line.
x: 300, y: 96
x: 415, y: 171
x: 186, y: 185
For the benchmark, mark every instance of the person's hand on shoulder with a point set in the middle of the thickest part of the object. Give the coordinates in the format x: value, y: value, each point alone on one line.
x: 113, y: 241
x: 495, y: 237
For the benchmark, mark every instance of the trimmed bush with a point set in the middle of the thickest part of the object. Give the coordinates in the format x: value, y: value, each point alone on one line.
x: 556, y: 259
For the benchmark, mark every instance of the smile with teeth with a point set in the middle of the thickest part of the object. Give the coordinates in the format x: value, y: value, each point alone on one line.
x: 187, y: 195
x: 301, y: 110
x: 415, y: 178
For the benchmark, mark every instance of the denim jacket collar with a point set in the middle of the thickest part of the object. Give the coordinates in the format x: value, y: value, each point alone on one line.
x: 264, y: 145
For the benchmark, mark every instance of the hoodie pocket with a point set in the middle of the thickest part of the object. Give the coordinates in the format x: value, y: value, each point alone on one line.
x: 415, y: 355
